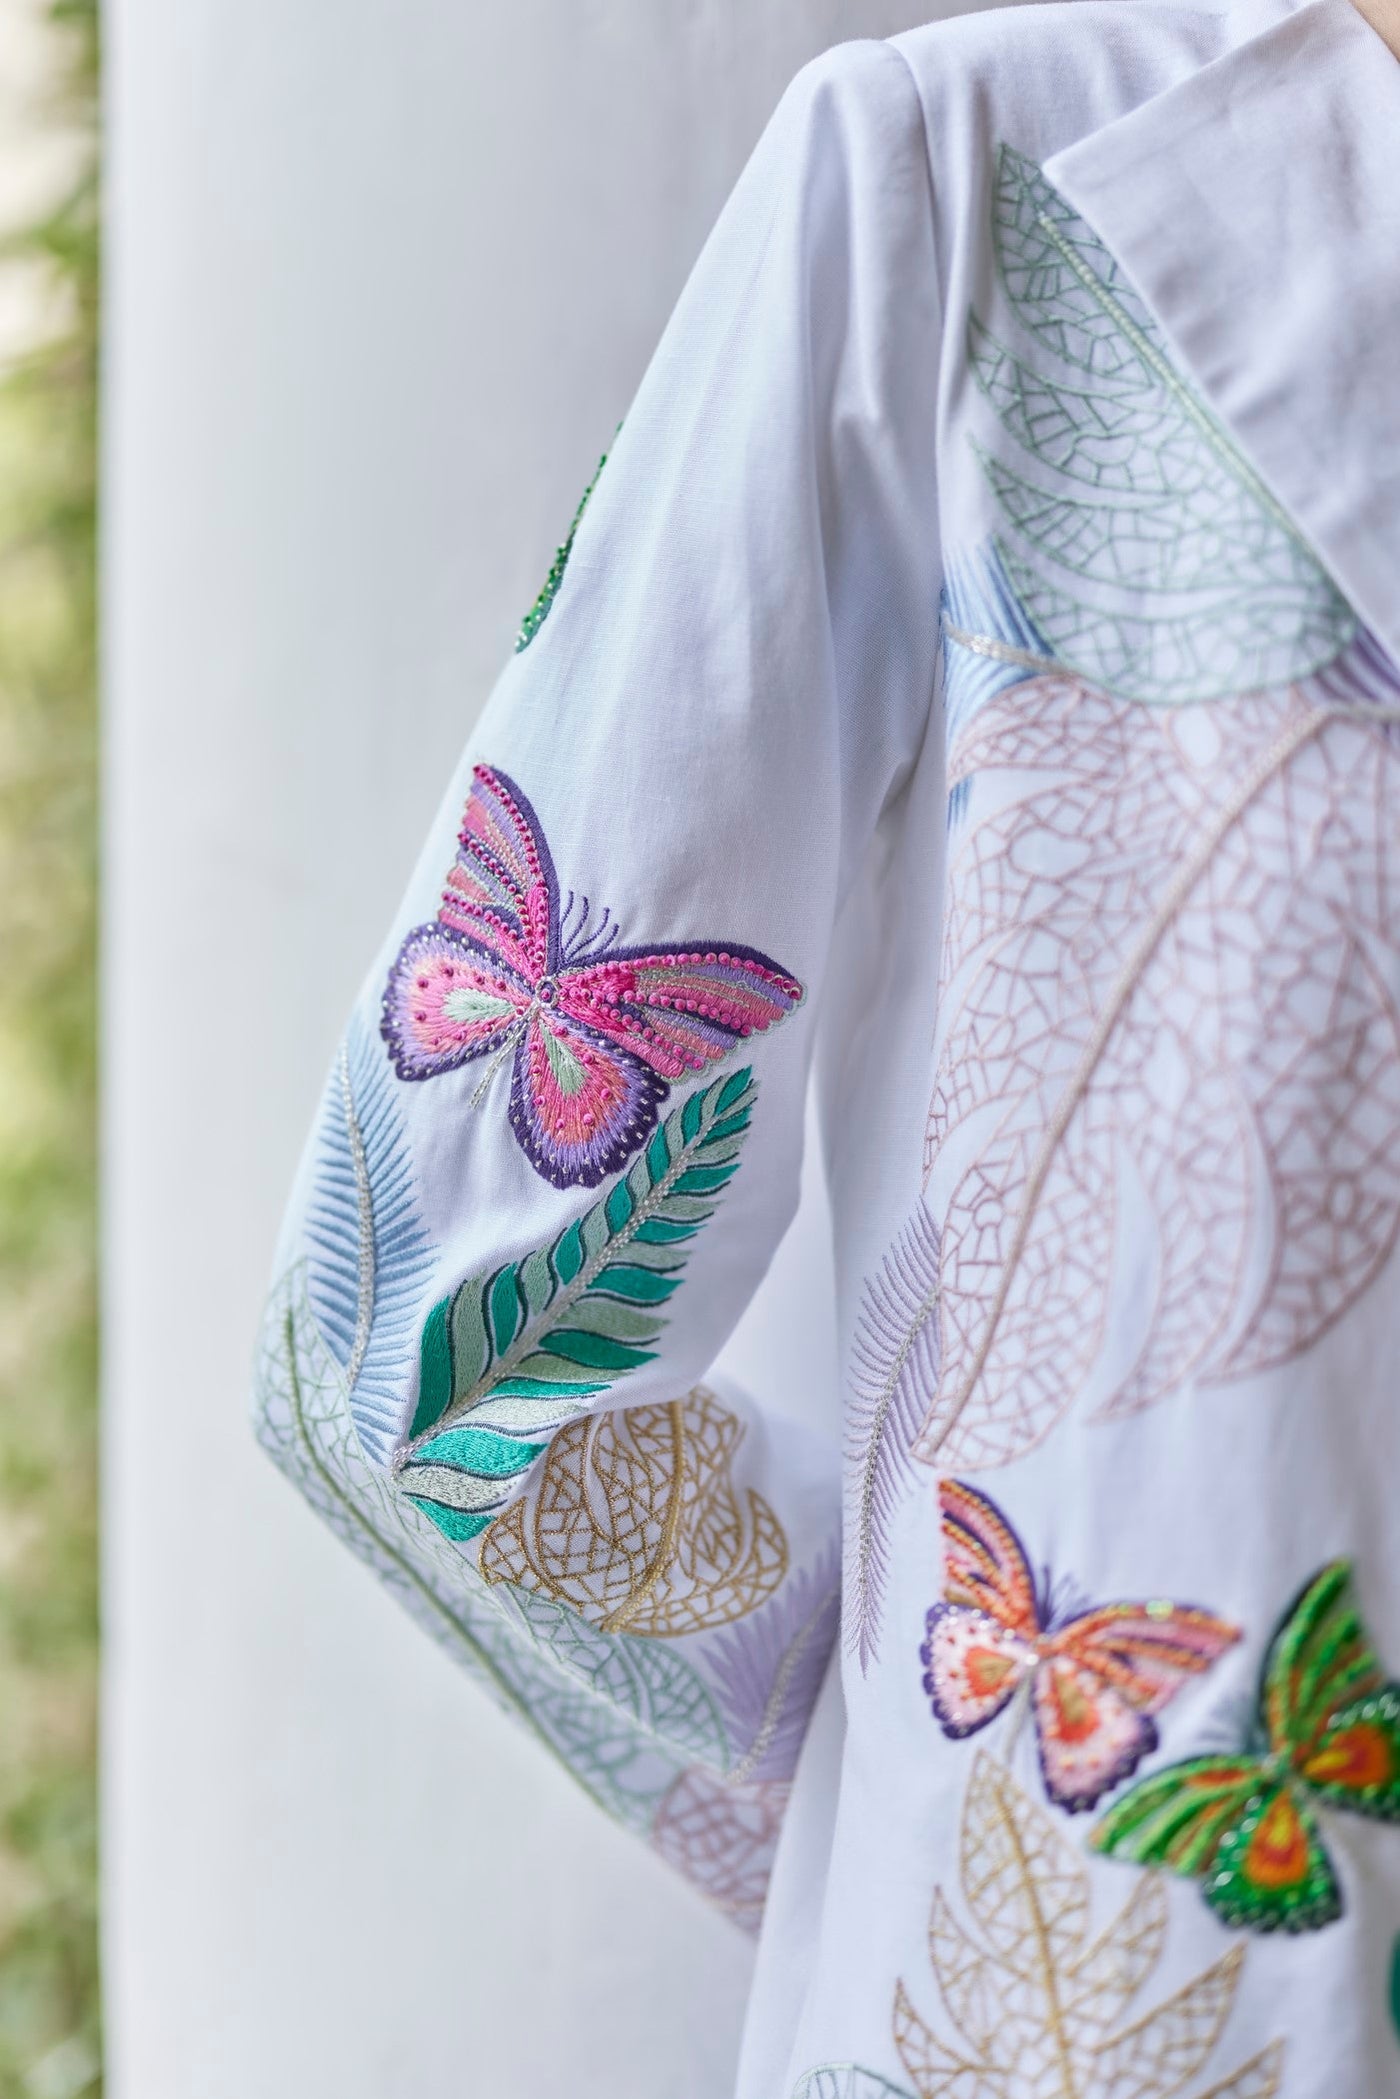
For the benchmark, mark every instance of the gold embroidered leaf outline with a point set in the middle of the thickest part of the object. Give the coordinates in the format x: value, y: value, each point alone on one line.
x: 1036, y: 2003
x: 634, y: 1521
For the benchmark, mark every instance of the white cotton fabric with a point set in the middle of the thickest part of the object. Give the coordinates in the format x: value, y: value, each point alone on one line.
x: 740, y: 718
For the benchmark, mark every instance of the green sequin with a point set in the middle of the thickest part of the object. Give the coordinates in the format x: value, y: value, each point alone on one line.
x: 539, y: 611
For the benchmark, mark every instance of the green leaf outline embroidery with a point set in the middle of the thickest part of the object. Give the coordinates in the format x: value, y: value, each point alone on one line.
x: 1147, y: 552
x: 624, y: 1715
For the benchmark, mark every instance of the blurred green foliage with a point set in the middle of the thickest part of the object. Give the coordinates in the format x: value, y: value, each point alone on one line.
x: 49, y: 2016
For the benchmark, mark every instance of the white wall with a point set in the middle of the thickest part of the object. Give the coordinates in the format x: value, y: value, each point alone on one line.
x: 384, y: 274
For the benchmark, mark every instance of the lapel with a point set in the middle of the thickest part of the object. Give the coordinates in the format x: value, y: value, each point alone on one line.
x: 1256, y: 205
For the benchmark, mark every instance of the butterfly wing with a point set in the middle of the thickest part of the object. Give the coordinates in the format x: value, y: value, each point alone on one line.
x: 1104, y: 1673
x: 985, y: 1567
x: 1241, y: 1831
x: 972, y: 1667
x: 1146, y: 1651
x: 679, y: 1009
x: 1355, y: 1761
x: 1272, y: 1871
x: 446, y: 1002
x: 1089, y: 1736
x: 579, y: 1105
x: 1320, y: 1667
x: 502, y: 892
x: 979, y: 1641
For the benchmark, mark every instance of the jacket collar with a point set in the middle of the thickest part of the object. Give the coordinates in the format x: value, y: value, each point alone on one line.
x: 1256, y: 205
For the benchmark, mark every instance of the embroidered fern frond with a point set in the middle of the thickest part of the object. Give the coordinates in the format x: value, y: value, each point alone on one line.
x: 1142, y: 544
x: 1036, y: 2001
x: 769, y: 1670
x: 510, y: 1356
x: 894, y: 1369
x: 368, y: 1256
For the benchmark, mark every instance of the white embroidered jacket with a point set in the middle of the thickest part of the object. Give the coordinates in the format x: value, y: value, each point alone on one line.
x: 972, y: 675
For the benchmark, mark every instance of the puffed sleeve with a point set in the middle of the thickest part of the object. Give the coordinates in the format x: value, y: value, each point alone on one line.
x: 563, y: 1133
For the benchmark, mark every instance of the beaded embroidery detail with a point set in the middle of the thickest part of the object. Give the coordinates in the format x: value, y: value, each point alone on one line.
x: 539, y: 611
x: 597, y: 1032
x: 1326, y: 1733
x: 1091, y: 1676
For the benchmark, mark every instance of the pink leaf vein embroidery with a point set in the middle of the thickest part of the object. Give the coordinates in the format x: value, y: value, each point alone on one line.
x: 1170, y: 1000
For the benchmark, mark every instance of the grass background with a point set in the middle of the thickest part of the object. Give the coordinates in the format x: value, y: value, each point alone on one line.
x: 49, y: 2014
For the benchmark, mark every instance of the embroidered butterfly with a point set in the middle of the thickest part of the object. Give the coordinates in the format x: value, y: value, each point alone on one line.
x: 1327, y: 1732
x: 1093, y: 1678
x: 598, y: 1031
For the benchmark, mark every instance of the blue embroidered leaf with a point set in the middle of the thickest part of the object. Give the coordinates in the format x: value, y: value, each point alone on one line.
x: 623, y: 1733
x: 893, y: 1375
x: 769, y: 1670
x: 1142, y: 545
x: 369, y: 1258
x: 988, y: 644
x: 510, y: 1356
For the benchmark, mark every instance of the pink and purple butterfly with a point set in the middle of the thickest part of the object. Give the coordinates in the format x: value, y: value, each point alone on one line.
x: 599, y: 1032
x: 1094, y: 1676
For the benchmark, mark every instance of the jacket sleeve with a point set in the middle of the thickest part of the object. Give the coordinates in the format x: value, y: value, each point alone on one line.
x: 562, y: 1136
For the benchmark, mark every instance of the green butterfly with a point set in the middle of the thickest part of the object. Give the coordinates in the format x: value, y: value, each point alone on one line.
x: 1327, y: 1732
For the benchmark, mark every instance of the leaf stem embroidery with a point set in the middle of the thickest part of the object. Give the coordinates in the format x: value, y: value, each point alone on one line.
x: 670, y: 1528
x: 942, y: 1420
x: 787, y: 1671
x: 452, y: 1622
x: 1214, y: 435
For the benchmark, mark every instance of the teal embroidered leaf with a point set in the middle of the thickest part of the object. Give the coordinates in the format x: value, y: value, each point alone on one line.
x: 646, y: 1680
x: 368, y: 1256
x: 1141, y: 544
x: 539, y: 611
x: 845, y: 2081
x: 511, y: 1355
x: 624, y: 1724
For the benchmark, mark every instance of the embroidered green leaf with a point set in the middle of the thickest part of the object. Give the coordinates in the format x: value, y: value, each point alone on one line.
x: 522, y: 1349
x: 623, y: 1717
x: 1142, y: 545
x: 539, y: 611
x: 645, y: 1679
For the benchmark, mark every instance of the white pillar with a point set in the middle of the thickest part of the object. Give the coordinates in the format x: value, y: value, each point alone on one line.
x: 383, y: 274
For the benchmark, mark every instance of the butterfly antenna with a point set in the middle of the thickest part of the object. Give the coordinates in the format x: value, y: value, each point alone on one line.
x: 581, y: 945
